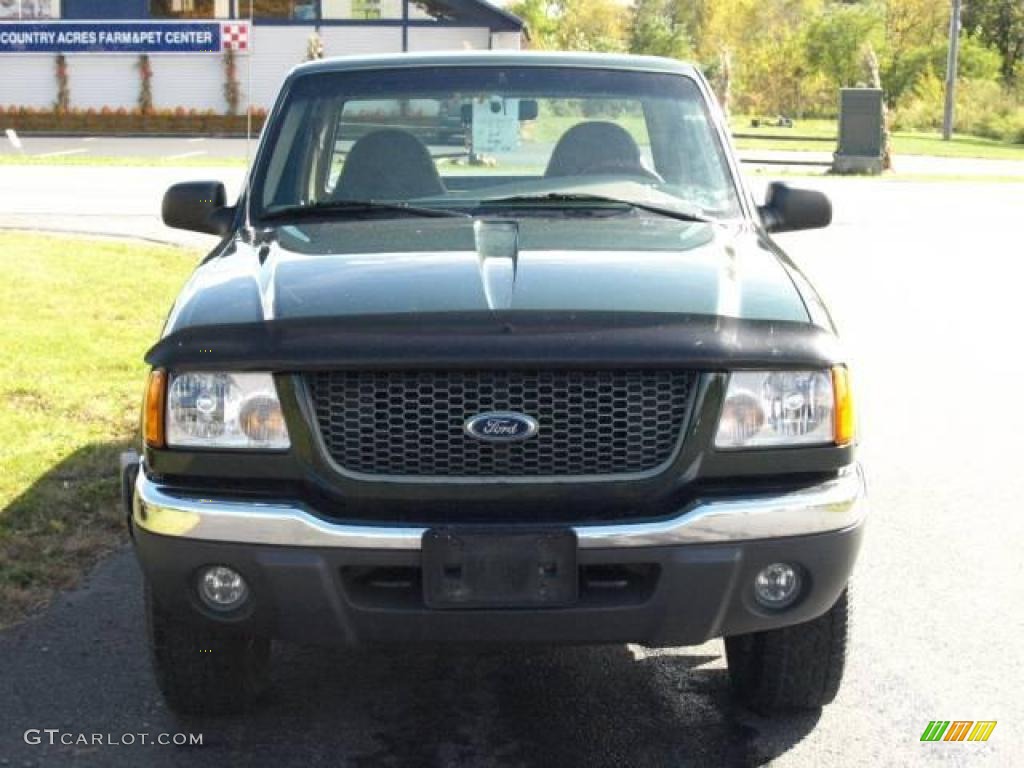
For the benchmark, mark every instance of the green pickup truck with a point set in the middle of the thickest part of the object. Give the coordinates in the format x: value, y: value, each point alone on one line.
x: 573, y: 394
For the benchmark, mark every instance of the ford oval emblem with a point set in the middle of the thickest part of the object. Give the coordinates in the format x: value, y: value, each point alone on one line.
x: 501, y: 426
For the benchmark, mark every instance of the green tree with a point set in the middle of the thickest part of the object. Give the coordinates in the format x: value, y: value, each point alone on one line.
x: 836, y: 40
x: 976, y: 62
x: 574, y: 25
x: 999, y: 24
x: 770, y: 73
x: 913, y: 30
x: 655, y: 28
x: 591, y: 25
x: 541, y: 21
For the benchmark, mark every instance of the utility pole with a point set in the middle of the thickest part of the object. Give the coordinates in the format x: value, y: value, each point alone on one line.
x: 951, y: 67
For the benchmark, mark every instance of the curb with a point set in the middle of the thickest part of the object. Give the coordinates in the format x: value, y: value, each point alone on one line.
x: 30, y: 230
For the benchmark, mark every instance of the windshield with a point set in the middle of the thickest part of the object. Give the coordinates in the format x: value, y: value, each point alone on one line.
x: 518, y: 139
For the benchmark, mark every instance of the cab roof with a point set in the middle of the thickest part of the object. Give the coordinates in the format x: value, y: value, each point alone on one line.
x: 497, y: 59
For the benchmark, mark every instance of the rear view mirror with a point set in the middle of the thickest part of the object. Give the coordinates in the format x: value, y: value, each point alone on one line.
x: 788, y: 209
x: 528, y: 109
x: 198, y: 206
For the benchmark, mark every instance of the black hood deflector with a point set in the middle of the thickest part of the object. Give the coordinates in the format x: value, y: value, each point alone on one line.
x: 499, y: 340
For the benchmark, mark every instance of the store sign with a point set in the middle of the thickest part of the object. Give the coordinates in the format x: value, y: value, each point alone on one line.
x: 124, y: 37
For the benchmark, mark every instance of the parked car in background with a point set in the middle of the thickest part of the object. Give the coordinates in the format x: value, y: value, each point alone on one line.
x: 575, y: 394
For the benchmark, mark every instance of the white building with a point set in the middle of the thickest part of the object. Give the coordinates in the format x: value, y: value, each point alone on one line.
x: 102, y: 41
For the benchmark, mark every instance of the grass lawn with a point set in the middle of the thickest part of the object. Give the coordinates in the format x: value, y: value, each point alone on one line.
x: 549, y: 128
x: 903, y: 142
x: 78, y: 315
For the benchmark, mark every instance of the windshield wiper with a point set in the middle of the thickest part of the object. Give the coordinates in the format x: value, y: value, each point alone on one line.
x: 579, y: 197
x: 328, y: 207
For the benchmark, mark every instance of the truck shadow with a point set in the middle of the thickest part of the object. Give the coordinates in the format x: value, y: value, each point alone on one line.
x: 59, y: 527
x: 599, y: 706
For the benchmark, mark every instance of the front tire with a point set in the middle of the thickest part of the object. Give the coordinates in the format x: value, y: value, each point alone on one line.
x: 792, y: 668
x: 203, y: 669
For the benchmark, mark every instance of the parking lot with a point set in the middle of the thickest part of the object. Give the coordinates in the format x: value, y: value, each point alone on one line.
x: 922, y: 280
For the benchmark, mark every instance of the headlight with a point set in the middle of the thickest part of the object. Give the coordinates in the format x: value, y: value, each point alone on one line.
x: 783, y: 408
x: 225, y: 410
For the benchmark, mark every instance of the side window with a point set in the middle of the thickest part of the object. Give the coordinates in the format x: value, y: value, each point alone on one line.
x: 182, y: 9
x: 687, y: 153
x: 298, y: 10
x: 29, y: 9
x: 290, y: 176
x: 361, y: 10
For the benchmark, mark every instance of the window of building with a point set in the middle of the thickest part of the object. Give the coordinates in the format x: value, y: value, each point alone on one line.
x: 366, y: 9
x: 29, y: 9
x: 361, y: 10
x: 182, y: 9
x: 296, y: 10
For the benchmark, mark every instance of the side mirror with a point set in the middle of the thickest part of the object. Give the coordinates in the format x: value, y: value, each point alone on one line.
x: 787, y: 209
x: 198, y: 206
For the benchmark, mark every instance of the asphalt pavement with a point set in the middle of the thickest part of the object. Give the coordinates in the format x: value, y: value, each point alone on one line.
x: 924, y: 281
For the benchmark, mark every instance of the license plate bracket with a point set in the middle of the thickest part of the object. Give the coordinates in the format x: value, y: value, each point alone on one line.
x: 467, y: 568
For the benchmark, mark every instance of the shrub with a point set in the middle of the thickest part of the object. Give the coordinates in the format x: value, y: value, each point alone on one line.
x: 923, y: 111
x: 145, y: 100
x: 980, y: 104
x: 1009, y: 127
x: 983, y: 108
x: 122, y: 120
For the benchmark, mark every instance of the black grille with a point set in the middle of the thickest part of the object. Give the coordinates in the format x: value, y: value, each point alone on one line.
x: 412, y: 422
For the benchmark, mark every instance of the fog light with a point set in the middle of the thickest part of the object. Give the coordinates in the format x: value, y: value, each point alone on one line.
x: 222, y: 588
x: 777, y: 585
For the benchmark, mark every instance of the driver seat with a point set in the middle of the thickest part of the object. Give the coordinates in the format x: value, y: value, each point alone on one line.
x: 589, y: 147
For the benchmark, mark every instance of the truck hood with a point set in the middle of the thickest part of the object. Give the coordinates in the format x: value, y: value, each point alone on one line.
x: 393, y: 267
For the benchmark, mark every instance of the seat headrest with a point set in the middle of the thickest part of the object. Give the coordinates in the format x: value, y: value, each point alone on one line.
x: 593, y: 144
x: 389, y: 164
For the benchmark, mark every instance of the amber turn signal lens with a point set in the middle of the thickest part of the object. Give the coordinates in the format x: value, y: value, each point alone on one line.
x: 846, y: 422
x: 153, y: 409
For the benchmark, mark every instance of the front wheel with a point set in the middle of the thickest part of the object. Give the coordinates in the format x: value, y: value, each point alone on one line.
x: 791, y: 668
x: 205, y: 669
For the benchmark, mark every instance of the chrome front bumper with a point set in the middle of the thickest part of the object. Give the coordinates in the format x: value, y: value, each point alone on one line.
x: 835, y: 505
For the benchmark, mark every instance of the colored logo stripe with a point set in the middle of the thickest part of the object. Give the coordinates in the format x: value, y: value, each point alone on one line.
x: 982, y: 730
x: 958, y: 730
